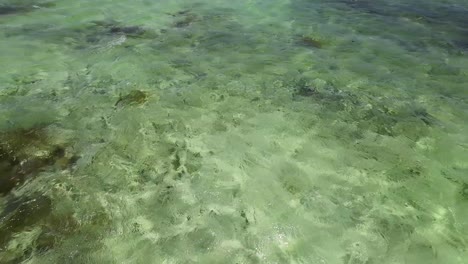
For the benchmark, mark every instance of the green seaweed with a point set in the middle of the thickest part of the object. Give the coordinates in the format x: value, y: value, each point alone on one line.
x: 38, y: 211
x: 22, y: 212
x: 24, y: 153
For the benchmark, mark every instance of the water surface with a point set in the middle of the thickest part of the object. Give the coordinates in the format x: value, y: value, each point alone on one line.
x: 249, y: 131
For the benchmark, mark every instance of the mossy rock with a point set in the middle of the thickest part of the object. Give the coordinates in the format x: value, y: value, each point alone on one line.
x: 135, y: 97
x: 310, y: 42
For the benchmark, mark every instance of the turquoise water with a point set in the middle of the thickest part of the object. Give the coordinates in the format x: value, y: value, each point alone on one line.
x: 280, y: 131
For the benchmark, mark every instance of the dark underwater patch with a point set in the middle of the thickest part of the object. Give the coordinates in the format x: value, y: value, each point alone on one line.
x: 415, y: 25
x: 88, y: 35
x: 21, y: 213
x: 24, y: 153
x: 135, y: 97
x: 20, y: 7
x: 309, y: 42
x: 384, y: 116
x: 446, y: 23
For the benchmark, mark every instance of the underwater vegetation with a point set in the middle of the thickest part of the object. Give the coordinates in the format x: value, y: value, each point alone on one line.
x: 447, y: 23
x: 107, y: 34
x: 184, y: 18
x: 20, y: 7
x: 36, y: 214
x: 24, y: 153
x: 22, y: 212
x: 96, y: 28
x: 276, y: 136
x: 311, y: 42
x: 384, y: 116
x: 212, y: 31
x: 427, y: 12
x: 135, y: 97
x: 100, y: 35
x: 414, y: 26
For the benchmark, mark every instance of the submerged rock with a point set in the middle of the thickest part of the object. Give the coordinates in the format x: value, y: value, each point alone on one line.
x: 184, y: 18
x: 310, y: 42
x: 185, y: 22
x: 135, y: 97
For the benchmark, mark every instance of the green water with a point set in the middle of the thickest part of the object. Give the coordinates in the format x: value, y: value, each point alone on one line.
x: 248, y: 131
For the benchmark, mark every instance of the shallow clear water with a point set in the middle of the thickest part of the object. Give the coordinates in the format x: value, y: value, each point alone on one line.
x: 280, y: 131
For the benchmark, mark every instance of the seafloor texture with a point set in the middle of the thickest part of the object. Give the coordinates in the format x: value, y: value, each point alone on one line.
x: 211, y: 131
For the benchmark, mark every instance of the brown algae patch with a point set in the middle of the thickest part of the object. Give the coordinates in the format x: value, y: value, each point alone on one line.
x: 134, y: 98
x: 310, y: 42
x: 26, y: 152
